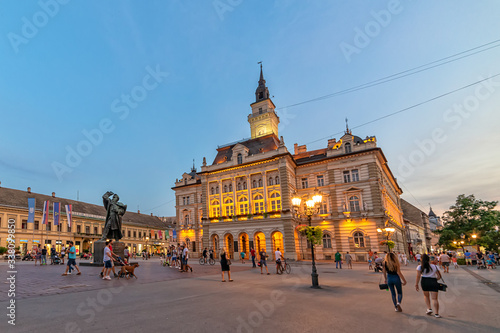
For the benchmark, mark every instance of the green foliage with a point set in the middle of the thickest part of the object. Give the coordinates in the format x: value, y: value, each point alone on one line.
x: 3, y: 250
x: 470, y: 216
x: 461, y: 261
x: 313, y: 234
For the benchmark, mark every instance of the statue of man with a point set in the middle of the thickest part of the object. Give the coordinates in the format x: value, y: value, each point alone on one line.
x: 114, y: 213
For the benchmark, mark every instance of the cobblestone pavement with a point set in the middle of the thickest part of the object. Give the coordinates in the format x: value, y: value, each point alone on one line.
x: 47, y: 279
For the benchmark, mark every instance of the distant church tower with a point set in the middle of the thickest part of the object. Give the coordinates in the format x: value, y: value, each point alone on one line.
x: 263, y: 120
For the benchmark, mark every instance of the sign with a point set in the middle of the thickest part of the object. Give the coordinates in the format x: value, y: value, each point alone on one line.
x: 23, y: 241
x: 31, y: 210
x: 36, y: 241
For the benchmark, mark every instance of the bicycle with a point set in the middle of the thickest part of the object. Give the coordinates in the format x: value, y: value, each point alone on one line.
x: 284, y: 267
x: 210, y: 261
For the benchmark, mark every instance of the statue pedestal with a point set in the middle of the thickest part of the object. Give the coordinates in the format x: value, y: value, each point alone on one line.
x: 118, y: 249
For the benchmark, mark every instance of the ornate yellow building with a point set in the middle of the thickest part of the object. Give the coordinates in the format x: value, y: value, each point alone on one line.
x: 243, y: 199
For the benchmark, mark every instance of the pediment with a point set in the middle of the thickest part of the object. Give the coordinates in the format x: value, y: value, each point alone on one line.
x: 353, y: 189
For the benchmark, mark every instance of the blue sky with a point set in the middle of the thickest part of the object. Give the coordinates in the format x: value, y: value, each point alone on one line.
x: 67, y: 70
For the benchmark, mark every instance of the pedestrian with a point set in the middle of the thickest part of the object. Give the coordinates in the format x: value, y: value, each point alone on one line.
x: 44, y: 255
x: 252, y: 253
x: 126, y: 254
x: 38, y: 255
x: 338, y: 260
x: 263, y: 261
x: 242, y: 256
x: 348, y: 260
x: 211, y: 253
x: 428, y: 275
x: 394, y: 279
x: 454, y: 260
x: 225, y: 266
x: 71, y: 259
x: 53, y: 254
x: 185, y: 258
x: 468, y: 258
x: 370, y: 267
x: 405, y: 259
x: 113, y: 255
x: 370, y: 254
x: 278, y: 256
x: 107, y: 258
x: 174, y: 257
x: 63, y: 253
x: 418, y: 257
x: 444, y: 259
x: 205, y: 255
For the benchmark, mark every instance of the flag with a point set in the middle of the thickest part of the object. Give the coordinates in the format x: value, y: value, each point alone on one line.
x: 57, y: 212
x: 174, y: 234
x: 159, y: 234
x: 45, y: 217
x: 69, y: 214
x: 166, y: 234
x: 31, y: 210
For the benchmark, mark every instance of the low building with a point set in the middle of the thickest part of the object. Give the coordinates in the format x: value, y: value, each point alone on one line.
x: 140, y: 231
x: 417, y: 228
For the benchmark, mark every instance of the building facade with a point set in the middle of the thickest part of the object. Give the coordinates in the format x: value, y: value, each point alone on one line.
x: 140, y: 231
x: 418, y: 233
x: 243, y: 199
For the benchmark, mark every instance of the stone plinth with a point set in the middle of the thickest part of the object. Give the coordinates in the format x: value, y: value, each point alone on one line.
x: 118, y: 249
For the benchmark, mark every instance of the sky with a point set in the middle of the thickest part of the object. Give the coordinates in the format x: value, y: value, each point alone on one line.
x: 123, y: 95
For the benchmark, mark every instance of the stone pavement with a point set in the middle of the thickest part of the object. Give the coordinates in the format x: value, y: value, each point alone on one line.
x: 349, y: 301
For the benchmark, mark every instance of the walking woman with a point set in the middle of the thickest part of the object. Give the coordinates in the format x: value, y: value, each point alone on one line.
x: 394, y: 279
x: 428, y: 275
x: 224, y: 265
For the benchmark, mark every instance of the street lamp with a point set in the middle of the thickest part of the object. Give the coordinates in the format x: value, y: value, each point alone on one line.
x: 312, y: 207
x: 147, y: 252
x: 388, y: 232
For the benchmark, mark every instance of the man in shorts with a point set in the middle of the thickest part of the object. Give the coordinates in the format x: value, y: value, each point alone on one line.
x: 107, y: 258
x: 277, y: 256
x: 263, y: 257
x: 468, y: 258
x: 444, y: 259
x: 71, y: 259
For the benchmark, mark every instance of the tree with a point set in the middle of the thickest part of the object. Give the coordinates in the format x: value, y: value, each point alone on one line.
x: 470, y: 216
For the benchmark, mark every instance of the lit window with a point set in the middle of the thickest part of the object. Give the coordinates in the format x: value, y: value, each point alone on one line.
x: 215, y: 208
x: 327, y: 241
x: 228, y: 207
x: 354, y: 203
x: 243, y: 206
x: 359, y: 239
x: 240, y: 158
x: 305, y: 184
x: 258, y: 204
x: 275, y: 202
x: 320, y: 180
x: 347, y: 148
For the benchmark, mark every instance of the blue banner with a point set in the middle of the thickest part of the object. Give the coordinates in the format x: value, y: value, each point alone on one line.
x: 57, y: 212
x: 174, y: 234
x: 31, y: 210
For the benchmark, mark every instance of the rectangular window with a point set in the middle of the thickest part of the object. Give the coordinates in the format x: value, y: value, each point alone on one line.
x: 215, y: 211
x: 128, y: 234
x: 59, y: 227
x: 355, y: 175
x: 87, y: 230
x: 49, y: 226
x: 229, y: 210
x: 96, y: 231
x: 347, y: 177
x: 187, y: 200
x: 24, y: 224
x: 78, y: 229
x: 135, y: 234
x: 243, y: 208
x: 69, y: 228
x: 320, y: 180
x: 184, y: 200
x: 323, y: 208
x: 259, y: 207
x: 304, y: 183
x: 37, y: 225
x: 140, y: 234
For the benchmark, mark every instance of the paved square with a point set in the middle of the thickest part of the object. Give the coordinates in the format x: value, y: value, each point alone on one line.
x: 164, y: 299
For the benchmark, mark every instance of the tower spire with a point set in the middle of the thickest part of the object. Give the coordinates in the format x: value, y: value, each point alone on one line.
x: 347, y: 131
x: 262, y: 92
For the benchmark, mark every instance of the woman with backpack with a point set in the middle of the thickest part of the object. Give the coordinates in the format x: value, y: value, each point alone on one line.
x: 428, y: 275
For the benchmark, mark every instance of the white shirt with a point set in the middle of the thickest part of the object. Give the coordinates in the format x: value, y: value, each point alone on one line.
x: 418, y: 256
x: 107, y: 254
x: 185, y: 253
x: 277, y: 254
x: 430, y: 274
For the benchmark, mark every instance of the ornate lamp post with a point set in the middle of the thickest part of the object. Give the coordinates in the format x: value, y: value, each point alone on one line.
x: 388, y: 232
x: 147, y: 252
x: 312, y: 207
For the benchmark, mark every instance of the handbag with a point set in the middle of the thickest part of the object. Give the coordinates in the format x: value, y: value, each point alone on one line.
x: 442, y: 286
x: 228, y: 261
x: 383, y: 286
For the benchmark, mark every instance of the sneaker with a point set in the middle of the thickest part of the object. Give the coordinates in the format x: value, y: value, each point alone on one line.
x: 398, y: 308
x: 437, y: 316
x: 428, y: 312
x: 107, y: 277
x: 101, y: 274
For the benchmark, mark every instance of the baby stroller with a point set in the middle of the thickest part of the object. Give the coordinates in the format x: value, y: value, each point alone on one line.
x: 57, y: 260
x: 28, y: 257
x: 481, y: 264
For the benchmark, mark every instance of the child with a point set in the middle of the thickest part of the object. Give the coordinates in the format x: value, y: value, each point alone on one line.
x: 242, y: 255
x: 490, y: 263
x: 455, y: 264
x: 370, y: 263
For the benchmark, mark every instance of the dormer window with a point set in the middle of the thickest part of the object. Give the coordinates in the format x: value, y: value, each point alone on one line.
x: 240, y: 158
x: 347, y: 148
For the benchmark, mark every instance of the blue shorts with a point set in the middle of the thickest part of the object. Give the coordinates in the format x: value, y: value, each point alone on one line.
x: 184, y: 261
x: 263, y: 263
x: 107, y: 264
x: 71, y: 262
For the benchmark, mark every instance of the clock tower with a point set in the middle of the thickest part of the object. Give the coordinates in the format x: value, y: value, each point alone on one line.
x: 263, y: 119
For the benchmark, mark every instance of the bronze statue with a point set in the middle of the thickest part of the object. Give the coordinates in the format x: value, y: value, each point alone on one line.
x: 115, y: 211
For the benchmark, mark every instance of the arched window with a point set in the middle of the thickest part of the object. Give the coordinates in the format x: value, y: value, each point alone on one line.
x: 277, y: 180
x: 239, y: 186
x: 243, y: 206
x: 254, y: 183
x: 260, y: 182
x: 215, y: 208
x: 327, y: 241
x: 228, y: 207
x: 245, y: 185
x: 359, y: 239
x: 225, y: 189
x: 258, y: 204
x: 240, y: 158
x: 217, y: 189
x: 186, y: 219
x: 354, y: 203
x: 230, y: 187
x: 212, y: 190
x: 347, y: 148
x: 275, y: 202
